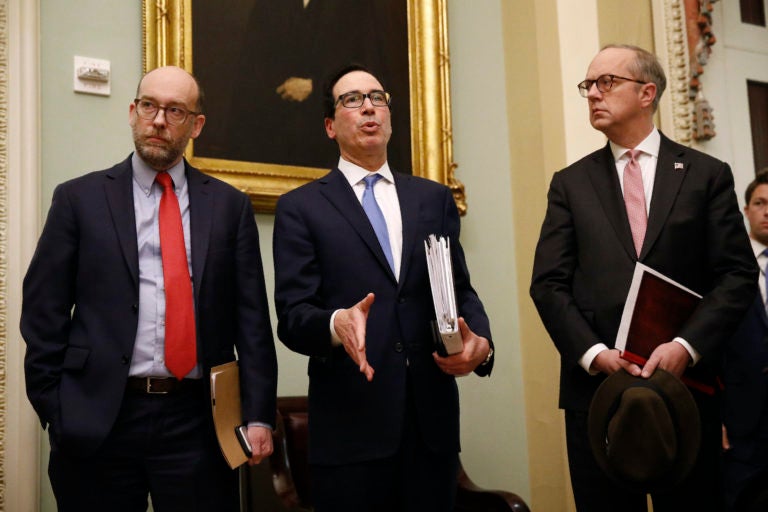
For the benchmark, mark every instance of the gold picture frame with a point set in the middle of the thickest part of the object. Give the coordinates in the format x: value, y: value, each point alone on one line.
x: 167, y: 40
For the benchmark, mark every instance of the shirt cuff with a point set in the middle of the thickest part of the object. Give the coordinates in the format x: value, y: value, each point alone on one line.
x: 695, y: 356
x: 260, y: 424
x: 586, y: 360
x: 335, y: 340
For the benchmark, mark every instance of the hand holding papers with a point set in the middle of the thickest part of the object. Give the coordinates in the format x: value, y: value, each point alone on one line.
x: 656, y: 309
x: 447, y: 335
x: 225, y: 402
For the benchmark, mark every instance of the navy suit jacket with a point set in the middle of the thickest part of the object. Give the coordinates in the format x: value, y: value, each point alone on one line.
x: 745, y: 375
x: 327, y: 257
x: 81, y: 293
x: 585, y: 256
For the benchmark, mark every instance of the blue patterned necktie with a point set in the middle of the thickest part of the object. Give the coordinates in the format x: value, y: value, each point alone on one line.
x: 373, y: 211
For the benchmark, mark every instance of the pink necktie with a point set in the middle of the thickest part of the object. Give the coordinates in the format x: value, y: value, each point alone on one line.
x: 634, y: 198
x: 180, y: 338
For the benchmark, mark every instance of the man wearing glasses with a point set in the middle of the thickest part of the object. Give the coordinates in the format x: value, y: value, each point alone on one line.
x: 642, y: 198
x: 352, y: 293
x: 146, y: 275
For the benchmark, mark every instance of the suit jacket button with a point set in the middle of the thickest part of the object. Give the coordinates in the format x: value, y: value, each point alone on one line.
x: 124, y: 360
x: 135, y: 308
x: 398, y: 347
x: 765, y: 370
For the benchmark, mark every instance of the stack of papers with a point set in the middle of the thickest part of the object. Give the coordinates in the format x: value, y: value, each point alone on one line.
x: 447, y: 335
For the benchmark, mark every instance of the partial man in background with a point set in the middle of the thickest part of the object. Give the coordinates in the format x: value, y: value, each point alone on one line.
x: 146, y: 275
x: 352, y: 292
x: 641, y: 198
x: 745, y: 368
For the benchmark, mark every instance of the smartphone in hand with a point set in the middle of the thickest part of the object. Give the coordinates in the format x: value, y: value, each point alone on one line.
x: 242, y: 436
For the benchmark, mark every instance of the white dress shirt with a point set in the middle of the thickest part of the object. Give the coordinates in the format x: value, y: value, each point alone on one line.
x: 386, y: 196
x: 647, y: 160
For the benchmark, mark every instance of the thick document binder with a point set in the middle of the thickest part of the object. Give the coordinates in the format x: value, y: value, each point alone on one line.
x: 227, y: 415
x: 656, y: 309
x: 446, y: 325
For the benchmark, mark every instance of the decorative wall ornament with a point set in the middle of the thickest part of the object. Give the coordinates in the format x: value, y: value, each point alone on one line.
x: 672, y: 46
x: 698, y: 16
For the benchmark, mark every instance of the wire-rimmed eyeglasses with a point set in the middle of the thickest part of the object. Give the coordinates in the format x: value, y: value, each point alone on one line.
x: 174, y: 115
x: 356, y: 99
x: 603, y: 83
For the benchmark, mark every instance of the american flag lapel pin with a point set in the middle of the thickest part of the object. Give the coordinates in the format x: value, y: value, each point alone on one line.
x: 679, y: 166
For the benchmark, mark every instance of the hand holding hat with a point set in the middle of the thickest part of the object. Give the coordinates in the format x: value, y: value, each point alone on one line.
x: 644, y: 433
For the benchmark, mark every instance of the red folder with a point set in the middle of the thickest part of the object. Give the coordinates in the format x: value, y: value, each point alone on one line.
x: 656, y: 310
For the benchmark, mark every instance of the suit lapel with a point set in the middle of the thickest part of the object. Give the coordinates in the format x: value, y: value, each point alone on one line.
x: 337, y: 191
x: 119, y: 192
x: 200, y: 222
x: 606, y: 185
x: 671, y: 169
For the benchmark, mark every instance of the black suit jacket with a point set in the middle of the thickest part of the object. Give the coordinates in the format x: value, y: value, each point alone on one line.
x: 81, y: 294
x: 745, y: 375
x: 327, y: 257
x: 585, y: 256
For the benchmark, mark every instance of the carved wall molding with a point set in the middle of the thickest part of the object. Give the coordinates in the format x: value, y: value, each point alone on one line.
x: 672, y: 47
x: 684, y: 39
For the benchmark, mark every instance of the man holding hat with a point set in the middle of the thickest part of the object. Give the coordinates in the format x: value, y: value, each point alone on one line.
x: 641, y: 198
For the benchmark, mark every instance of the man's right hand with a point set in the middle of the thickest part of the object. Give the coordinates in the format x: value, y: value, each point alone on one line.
x: 610, y: 361
x: 349, y: 325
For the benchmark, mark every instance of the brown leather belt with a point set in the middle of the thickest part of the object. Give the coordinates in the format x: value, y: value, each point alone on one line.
x: 161, y: 385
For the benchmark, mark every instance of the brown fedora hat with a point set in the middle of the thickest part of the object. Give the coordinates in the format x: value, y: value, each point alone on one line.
x: 644, y: 433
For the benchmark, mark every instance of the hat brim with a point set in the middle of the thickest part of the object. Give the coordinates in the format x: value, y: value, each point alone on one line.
x: 682, y: 410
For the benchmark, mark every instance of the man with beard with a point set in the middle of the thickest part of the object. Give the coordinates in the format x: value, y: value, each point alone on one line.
x: 146, y: 275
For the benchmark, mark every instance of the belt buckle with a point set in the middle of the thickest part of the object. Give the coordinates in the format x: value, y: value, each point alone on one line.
x: 150, y: 391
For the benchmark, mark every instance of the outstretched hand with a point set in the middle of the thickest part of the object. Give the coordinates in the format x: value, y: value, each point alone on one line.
x: 350, y: 328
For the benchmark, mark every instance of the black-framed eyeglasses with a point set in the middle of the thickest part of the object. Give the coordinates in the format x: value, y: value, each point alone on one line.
x: 356, y: 99
x: 603, y: 83
x: 173, y: 115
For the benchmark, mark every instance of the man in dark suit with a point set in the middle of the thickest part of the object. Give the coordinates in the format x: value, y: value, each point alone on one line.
x: 745, y: 367
x: 125, y: 395
x: 383, y: 406
x: 685, y: 224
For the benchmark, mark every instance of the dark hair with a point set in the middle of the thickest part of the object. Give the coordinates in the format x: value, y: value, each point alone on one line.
x: 329, y: 101
x: 646, y: 68
x: 199, y: 106
x: 761, y: 178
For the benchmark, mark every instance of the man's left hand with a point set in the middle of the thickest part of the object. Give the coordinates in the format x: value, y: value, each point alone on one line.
x: 463, y: 363
x: 261, y: 443
x: 670, y: 356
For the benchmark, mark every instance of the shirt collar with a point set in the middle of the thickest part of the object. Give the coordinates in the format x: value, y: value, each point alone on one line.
x: 757, y: 247
x: 144, y: 175
x: 650, y: 146
x: 354, y: 173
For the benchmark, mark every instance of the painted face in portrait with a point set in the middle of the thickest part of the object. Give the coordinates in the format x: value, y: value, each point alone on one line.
x: 160, y: 139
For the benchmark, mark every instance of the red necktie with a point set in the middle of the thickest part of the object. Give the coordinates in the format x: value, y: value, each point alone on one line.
x: 634, y: 198
x: 180, y: 338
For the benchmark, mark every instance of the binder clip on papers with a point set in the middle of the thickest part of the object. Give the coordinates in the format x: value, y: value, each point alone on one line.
x: 445, y: 327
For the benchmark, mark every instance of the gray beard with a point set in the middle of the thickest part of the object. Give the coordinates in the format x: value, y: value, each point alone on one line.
x: 157, y: 158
